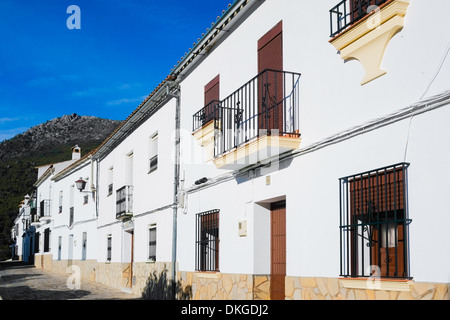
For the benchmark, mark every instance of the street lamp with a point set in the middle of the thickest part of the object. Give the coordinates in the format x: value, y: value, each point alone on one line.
x: 81, y: 184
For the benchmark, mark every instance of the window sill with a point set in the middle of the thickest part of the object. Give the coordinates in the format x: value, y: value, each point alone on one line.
x: 377, y: 284
x: 207, y: 274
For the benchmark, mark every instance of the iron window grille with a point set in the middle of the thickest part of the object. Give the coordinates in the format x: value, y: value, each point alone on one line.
x: 37, y: 240
x: 124, y: 201
x: 207, y: 241
x: 44, y: 208
x: 110, y: 189
x: 59, y: 247
x: 71, y: 215
x: 152, y: 244
x: 47, y: 240
x: 374, y: 223
x: 268, y: 104
x: 84, y: 246
x: 108, y: 248
x: 349, y: 12
x: 153, y: 161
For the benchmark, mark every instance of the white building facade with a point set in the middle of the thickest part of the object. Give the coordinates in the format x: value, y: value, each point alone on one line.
x: 264, y: 167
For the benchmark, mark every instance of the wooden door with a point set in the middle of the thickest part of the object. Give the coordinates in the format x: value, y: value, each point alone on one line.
x: 278, y: 251
x: 388, y: 253
x: 127, y: 267
x: 270, y: 84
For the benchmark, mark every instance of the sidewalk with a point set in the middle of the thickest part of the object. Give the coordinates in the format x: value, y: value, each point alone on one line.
x: 24, y: 282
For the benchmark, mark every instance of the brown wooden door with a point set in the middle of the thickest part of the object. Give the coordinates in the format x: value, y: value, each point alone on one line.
x: 270, y: 84
x: 389, y: 254
x: 278, y: 251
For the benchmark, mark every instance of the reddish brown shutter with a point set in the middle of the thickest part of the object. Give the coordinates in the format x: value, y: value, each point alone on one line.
x: 278, y: 251
x: 212, y: 93
x: 212, y: 90
x: 270, y: 49
x: 359, y: 8
x: 270, y: 84
x: 384, y: 191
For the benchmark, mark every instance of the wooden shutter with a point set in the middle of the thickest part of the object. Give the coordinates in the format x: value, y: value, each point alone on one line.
x: 382, y: 191
x: 270, y: 84
x: 212, y: 95
x: 278, y: 251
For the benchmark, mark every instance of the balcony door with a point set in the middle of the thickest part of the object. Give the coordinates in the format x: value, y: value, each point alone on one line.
x: 270, y: 84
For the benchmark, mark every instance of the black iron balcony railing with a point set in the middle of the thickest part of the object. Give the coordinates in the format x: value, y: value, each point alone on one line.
x: 205, y: 115
x: 44, y: 209
x: 268, y: 104
x: 124, y: 202
x: 348, y: 12
x: 374, y: 223
x: 33, y: 215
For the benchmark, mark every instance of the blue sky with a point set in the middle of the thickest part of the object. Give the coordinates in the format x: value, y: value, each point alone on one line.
x: 123, y: 50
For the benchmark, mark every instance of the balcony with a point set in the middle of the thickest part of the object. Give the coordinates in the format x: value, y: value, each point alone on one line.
x: 258, y: 121
x: 44, y: 210
x: 34, y: 218
x: 362, y: 29
x: 347, y: 13
x: 124, y: 203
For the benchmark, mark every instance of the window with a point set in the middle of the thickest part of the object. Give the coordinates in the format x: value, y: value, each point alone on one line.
x: 374, y: 223
x: 110, y: 181
x: 152, y: 243
x: 71, y: 216
x: 59, y: 247
x: 108, y: 248
x: 72, y: 208
x: 84, y: 246
x: 153, y: 162
x: 37, y: 242
x: 60, y: 201
x: 207, y: 241
x: 47, y: 240
x: 85, y: 199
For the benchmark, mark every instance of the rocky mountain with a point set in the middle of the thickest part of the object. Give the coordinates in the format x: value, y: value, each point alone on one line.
x: 46, y: 143
x: 61, y: 131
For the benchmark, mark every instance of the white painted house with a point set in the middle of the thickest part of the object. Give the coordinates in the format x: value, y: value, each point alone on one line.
x: 294, y: 152
x: 74, y: 232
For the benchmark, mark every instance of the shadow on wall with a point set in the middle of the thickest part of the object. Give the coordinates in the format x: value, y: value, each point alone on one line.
x: 161, y: 288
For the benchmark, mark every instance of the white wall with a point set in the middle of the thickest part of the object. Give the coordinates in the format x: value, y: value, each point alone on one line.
x: 152, y: 192
x: 85, y: 216
x: 332, y: 100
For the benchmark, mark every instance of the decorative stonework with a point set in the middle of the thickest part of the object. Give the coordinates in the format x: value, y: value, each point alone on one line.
x: 337, y: 289
x: 219, y: 286
x: 153, y: 281
x: 369, y: 38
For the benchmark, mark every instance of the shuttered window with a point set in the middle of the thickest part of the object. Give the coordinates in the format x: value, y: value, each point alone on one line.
x: 152, y: 243
x: 374, y: 223
x: 207, y: 241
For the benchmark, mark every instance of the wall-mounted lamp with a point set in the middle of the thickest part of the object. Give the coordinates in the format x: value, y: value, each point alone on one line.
x: 81, y: 184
